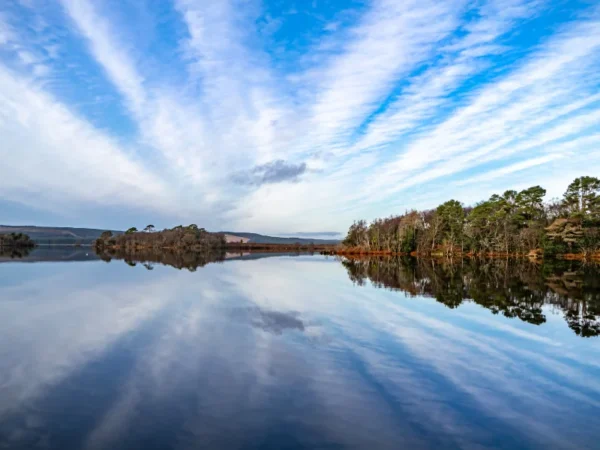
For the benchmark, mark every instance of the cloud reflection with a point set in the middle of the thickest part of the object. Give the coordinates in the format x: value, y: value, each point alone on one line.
x: 271, y: 321
x: 168, y: 357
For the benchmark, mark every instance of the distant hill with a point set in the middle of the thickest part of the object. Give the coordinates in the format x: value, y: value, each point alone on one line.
x: 262, y: 239
x: 70, y: 236
x: 56, y: 235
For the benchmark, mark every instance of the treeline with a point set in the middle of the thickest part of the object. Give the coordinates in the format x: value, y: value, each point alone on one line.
x: 515, y: 289
x: 16, y: 241
x: 514, y: 222
x: 180, y: 238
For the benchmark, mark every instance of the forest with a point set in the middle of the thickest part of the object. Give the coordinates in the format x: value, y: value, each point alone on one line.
x: 180, y: 238
x: 507, y: 224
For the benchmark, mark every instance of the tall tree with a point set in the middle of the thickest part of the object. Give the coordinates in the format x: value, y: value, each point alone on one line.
x: 582, y: 197
x: 357, y: 235
x: 530, y: 203
x: 452, y: 216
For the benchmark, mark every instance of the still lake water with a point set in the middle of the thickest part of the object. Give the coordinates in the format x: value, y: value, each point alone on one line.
x: 297, y: 352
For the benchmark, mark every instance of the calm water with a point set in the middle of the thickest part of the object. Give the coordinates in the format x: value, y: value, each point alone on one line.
x: 294, y: 352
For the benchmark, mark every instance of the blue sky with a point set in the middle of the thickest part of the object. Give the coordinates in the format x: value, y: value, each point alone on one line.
x: 284, y: 116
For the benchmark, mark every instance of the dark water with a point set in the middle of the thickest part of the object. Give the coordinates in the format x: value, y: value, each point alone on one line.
x: 294, y: 352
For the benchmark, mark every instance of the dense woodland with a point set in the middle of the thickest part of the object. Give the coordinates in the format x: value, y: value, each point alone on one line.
x: 15, y: 241
x: 180, y: 238
x: 515, y: 289
x: 514, y: 222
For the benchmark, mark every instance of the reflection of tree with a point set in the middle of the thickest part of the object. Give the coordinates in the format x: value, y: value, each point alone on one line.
x: 576, y: 290
x: 178, y: 259
x: 515, y: 289
x: 13, y: 253
x: 508, y: 288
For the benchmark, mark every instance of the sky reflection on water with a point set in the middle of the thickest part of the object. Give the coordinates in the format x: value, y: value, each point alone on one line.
x: 278, y: 352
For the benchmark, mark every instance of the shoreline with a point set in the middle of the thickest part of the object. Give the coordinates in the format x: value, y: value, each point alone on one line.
x: 331, y: 250
x: 491, y: 255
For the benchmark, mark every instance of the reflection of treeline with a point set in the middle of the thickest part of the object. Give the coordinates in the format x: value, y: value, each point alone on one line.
x: 189, y: 260
x: 513, y: 288
x: 180, y: 238
x: 15, y: 241
x: 514, y: 222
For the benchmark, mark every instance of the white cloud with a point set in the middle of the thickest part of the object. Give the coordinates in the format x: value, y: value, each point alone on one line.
x: 391, y: 40
x: 427, y: 92
x: 54, y: 159
x: 96, y: 29
x: 522, y: 165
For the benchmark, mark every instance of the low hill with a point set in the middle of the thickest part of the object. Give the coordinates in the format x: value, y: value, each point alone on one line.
x: 262, y: 239
x: 71, y: 236
x: 56, y: 235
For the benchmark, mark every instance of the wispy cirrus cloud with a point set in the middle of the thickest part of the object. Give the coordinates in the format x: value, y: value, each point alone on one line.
x: 462, y: 58
x: 385, y: 47
x: 530, y: 107
x: 200, y: 113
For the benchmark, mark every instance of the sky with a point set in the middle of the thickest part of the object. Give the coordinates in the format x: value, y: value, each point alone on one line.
x: 289, y: 116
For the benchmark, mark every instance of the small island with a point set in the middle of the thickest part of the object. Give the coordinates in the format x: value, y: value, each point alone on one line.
x: 180, y: 238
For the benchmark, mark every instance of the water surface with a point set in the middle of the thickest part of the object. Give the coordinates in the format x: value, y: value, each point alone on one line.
x: 295, y: 352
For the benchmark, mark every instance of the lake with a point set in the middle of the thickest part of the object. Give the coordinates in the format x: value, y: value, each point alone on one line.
x: 296, y: 352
